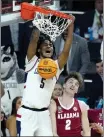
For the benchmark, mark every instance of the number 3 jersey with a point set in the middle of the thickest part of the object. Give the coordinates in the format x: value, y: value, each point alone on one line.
x: 69, y: 119
x: 37, y: 91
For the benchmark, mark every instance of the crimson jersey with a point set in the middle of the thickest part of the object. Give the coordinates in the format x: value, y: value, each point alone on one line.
x: 68, y: 120
x: 95, y: 116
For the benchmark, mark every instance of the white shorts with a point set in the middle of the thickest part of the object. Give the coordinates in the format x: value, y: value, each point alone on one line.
x: 33, y: 123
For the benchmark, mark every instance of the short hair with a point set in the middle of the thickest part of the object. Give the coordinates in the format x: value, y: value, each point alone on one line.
x: 41, y: 40
x: 75, y: 75
x: 98, y: 61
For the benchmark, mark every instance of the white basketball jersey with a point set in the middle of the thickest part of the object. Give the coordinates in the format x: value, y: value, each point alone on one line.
x: 37, y: 91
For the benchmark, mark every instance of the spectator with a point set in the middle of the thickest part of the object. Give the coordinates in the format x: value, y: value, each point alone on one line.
x: 11, y: 121
x: 94, y: 89
x: 99, y: 68
x: 3, y: 124
x: 58, y: 90
x: 92, y: 19
x: 79, y: 57
x: 96, y: 121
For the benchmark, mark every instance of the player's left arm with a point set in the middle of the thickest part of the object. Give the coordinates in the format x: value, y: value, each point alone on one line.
x: 62, y: 59
x: 85, y: 123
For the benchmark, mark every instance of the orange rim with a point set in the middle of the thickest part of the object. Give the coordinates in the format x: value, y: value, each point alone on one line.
x: 49, y: 11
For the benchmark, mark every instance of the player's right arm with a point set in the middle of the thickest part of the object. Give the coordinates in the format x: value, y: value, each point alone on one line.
x: 33, y: 44
x: 52, y: 109
x: 85, y: 123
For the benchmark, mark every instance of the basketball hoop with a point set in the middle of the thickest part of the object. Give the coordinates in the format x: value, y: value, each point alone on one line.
x: 48, y: 21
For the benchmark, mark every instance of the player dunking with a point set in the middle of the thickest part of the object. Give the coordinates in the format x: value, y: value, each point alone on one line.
x: 68, y: 115
x: 33, y: 117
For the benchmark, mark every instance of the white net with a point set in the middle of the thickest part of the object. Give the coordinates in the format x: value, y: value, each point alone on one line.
x: 51, y: 25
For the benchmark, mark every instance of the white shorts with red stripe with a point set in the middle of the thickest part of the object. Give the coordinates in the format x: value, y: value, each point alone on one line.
x: 33, y: 123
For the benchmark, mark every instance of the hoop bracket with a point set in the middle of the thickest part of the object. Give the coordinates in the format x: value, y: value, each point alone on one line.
x: 26, y: 5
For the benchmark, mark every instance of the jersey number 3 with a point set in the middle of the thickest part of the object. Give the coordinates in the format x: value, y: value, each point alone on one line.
x: 68, y: 123
x: 42, y: 83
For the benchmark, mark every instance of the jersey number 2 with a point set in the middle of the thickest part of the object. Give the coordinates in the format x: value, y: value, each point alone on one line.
x: 68, y: 123
x: 42, y: 83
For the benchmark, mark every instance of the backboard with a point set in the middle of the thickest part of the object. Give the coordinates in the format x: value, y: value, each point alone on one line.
x: 11, y: 9
x: 7, y: 5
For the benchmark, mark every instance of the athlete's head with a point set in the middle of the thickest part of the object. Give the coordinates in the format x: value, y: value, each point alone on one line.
x: 16, y: 104
x: 72, y: 83
x: 45, y: 47
x: 58, y: 90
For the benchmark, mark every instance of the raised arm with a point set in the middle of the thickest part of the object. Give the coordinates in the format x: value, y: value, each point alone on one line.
x: 33, y: 44
x: 85, y: 124
x: 62, y: 60
x: 52, y: 109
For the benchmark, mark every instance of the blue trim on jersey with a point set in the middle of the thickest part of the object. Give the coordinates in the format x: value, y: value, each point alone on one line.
x: 34, y: 65
x: 18, y: 125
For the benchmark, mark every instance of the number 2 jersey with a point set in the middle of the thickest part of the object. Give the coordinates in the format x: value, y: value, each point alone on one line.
x: 69, y: 119
x: 37, y: 91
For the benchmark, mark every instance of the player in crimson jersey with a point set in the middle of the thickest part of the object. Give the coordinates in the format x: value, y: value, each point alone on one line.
x: 68, y: 115
x: 96, y: 119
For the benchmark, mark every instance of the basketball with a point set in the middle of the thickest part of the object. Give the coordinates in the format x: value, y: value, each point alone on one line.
x: 47, y: 68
